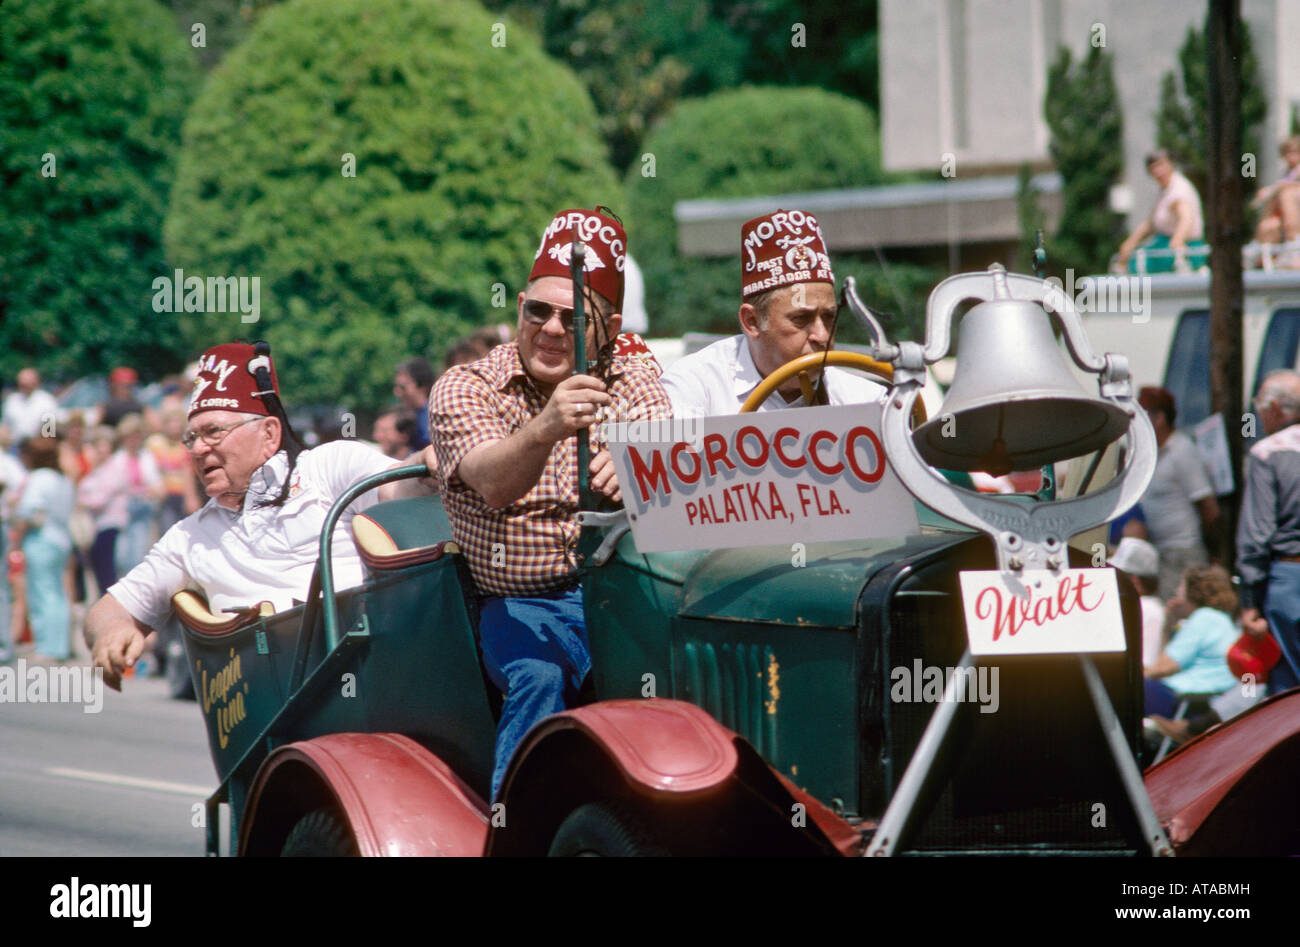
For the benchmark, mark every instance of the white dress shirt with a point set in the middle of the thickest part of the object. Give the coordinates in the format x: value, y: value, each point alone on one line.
x: 717, y: 379
x: 238, y: 558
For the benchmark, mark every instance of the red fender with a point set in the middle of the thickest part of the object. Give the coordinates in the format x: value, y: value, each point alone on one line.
x: 397, y: 797
x: 1233, y: 788
x: 659, y: 745
x: 670, y: 749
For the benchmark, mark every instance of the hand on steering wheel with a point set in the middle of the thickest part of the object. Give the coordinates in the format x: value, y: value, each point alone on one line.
x: 837, y: 357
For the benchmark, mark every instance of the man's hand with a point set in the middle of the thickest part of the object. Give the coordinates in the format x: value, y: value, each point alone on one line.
x: 413, y: 486
x: 116, y: 639
x: 572, y: 407
x: 604, y: 479
x: 1253, y: 623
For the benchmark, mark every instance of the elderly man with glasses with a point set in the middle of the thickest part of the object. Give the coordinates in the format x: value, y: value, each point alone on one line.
x: 504, y: 434
x: 257, y: 537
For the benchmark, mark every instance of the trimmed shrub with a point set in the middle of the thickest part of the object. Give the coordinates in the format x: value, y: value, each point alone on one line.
x: 466, y: 139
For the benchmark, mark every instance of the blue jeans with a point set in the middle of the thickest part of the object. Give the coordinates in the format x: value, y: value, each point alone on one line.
x: 535, y: 652
x: 1282, y: 609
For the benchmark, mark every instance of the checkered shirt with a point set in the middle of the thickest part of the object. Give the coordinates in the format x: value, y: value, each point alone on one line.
x: 530, y: 546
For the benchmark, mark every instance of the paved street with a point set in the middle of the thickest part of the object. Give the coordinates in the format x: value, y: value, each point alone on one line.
x: 119, y: 782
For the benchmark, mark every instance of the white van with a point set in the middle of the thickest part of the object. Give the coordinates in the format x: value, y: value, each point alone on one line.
x: 1166, y: 335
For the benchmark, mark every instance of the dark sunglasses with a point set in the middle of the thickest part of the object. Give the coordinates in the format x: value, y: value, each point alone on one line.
x: 538, y: 313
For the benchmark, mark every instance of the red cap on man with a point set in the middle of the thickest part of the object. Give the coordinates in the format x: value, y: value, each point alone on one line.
x: 606, y: 243
x: 780, y: 248
x: 226, y: 382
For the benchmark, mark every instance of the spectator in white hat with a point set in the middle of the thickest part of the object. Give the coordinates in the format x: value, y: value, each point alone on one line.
x: 1139, y: 561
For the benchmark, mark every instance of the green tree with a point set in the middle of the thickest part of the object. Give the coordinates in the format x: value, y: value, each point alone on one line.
x: 466, y: 140
x: 1083, y: 115
x: 745, y: 142
x: 93, y: 93
x: 637, y: 57
x: 1181, y: 124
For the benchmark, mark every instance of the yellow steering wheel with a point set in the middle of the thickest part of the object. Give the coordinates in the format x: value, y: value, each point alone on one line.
x: 804, y: 363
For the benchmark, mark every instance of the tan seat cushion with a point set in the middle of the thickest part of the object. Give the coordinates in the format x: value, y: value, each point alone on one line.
x: 379, y: 550
x: 192, y: 609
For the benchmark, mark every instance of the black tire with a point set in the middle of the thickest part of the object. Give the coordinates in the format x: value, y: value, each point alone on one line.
x: 320, y: 834
x: 599, y: 829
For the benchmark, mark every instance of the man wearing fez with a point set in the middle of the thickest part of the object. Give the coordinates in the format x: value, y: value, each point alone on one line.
x: 504, y: 434
x: 258, y: 536
x: 787, y: 309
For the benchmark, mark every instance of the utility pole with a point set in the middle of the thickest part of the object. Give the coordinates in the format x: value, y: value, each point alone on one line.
x: 1224, y: 232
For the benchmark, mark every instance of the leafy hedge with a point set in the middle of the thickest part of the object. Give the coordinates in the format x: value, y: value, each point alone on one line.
x: 463, y: 150
x: 102, y: 86
x: 743, y: 143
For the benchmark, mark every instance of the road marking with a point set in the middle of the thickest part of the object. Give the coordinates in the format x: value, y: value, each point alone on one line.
x: 157, y: 785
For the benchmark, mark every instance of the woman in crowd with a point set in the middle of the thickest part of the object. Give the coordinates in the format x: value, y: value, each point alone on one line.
x: 1196, y: 659
x: 1280, y: 202
x: 181, y: 495
x: 1176, y: 222
x: 41, y: 527
x: 121, y: 492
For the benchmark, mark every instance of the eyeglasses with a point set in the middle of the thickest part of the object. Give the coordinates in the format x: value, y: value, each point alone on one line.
x: 538, y: 313
x: 212, y: 436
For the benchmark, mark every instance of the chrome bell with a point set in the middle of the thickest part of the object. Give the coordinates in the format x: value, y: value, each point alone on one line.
x: 1014, y: 404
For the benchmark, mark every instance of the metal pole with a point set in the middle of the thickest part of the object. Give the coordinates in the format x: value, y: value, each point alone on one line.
x: 1152, y: 832
x: 1225, y: 233
x: 899, y: 814
x: 576, y: 271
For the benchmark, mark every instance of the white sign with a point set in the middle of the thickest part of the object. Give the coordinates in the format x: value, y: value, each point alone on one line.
x: 1213, y: 444
x: 1071, y: 611
x: 805, y: 475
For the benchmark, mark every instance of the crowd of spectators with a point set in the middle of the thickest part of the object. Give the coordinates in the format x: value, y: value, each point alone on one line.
x: 1204, y: 659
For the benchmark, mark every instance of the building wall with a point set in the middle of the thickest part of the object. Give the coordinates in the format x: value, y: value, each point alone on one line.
x: 967, y: 77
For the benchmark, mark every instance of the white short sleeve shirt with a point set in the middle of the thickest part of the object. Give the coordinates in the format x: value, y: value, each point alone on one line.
x: 1165, y: 219
x: 717, y: 379
x: 239, y: 558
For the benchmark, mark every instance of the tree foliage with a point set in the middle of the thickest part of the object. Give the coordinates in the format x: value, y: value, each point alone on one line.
x: 225, y: 24
x: 1083, y: 115
x: 638, y: 57
x: 463, y: 149
x: 739, y: 143
x: 1181, y: 123
x: 101, y: 87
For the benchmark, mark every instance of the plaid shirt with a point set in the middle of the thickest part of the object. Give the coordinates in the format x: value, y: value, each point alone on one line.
x: 530, y: 546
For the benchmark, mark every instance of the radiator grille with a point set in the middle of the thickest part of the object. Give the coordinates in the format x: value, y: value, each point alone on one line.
x: 731, y: 681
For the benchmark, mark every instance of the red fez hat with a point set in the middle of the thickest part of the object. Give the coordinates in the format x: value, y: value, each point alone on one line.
x: 226, y: 382
x: 781, y: 248
x: 606, y: 243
